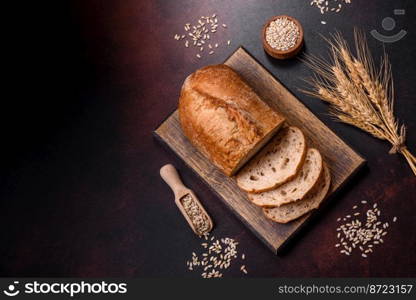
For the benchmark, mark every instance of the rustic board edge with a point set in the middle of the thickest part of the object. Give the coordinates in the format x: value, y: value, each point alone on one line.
x: 166, y: 145
x: 308, y: 218
x: 314, y: 214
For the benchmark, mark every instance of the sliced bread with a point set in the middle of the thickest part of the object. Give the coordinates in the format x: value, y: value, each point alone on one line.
x: 294, y: 210
x: 295, y: 189
x: 275, y: 164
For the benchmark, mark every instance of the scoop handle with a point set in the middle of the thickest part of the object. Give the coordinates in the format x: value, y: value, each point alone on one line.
x: 171, y: 177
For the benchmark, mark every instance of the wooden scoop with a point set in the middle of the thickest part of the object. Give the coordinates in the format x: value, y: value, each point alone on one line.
x: 171, y: 177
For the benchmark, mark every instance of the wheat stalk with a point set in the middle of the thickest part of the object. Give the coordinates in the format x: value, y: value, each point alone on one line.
x: 358, y: 93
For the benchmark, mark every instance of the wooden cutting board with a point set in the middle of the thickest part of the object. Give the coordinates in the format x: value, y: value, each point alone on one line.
x: 341, y: 159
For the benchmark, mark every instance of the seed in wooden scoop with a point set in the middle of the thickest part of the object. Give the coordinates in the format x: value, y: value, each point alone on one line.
x: 187, y: 202
x: 198, y: 218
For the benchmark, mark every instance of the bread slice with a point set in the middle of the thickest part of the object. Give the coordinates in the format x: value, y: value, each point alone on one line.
x: 295, y: 189
x: 276, y: 163
x: 294, y: 210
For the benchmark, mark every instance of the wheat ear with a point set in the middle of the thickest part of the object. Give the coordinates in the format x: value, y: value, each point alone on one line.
x: 359, y: 95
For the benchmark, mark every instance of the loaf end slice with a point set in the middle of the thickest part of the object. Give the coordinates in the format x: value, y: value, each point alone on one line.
x: 294, y: 210
x: 276, y: 163
x: 298, y: 187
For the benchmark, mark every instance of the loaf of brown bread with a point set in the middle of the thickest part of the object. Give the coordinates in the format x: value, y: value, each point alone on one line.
x: 224, y: 118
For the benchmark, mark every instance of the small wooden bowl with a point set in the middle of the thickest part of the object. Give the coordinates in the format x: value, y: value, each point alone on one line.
x: 280, y: 54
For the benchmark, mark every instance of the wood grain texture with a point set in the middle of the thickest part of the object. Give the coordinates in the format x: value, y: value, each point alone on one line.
x: 341, y: 159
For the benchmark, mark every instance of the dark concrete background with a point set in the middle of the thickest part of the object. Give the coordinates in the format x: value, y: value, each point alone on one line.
x: 80, y: 188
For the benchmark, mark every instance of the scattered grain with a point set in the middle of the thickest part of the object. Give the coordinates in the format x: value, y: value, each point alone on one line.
x: 220, y: 254
x: 329, y: 5
x: 200, y: 32
x: 361, y: 234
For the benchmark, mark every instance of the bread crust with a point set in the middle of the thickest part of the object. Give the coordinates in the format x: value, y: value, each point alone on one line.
x: 224, y: 118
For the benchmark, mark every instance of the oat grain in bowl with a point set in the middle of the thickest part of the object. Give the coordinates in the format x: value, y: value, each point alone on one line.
x: 282, y: 34
x: 282, y: 37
